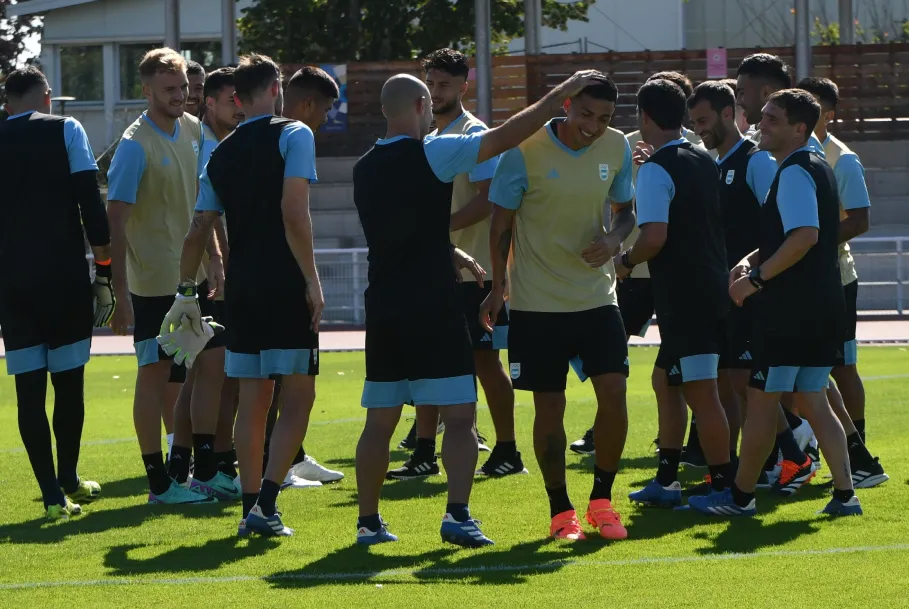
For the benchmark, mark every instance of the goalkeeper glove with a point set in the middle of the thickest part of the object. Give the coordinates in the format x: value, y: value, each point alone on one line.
x: 184, y: 344
x: 186, y: 305
x: 103, y: 300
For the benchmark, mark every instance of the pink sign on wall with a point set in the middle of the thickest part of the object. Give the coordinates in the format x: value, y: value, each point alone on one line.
x: 716, y: 63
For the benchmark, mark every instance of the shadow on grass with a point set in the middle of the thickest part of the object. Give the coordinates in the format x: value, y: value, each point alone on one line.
x: 585, y: 463
x: 94, y: 520
x: 210, y: 556
x: 355, y: 565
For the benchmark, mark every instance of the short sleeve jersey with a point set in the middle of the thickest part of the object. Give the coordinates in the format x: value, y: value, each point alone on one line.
x: 157, y: 174
x: 642, y: 271
x: 475, y: 238
x: 852, y: 191
x: 560, y: 196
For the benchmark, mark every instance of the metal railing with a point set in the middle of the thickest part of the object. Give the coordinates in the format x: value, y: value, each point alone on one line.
x: 881, y: 263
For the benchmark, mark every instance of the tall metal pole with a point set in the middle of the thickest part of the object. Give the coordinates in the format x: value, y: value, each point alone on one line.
x: 533, y: 25
x: 228, y: 32
x: 172, y: 24
x: 802, y: 40
x: 483, y: 37
x: 847, y: 22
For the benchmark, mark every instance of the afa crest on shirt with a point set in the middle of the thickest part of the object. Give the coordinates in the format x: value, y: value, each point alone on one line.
x: 730, y: 176
x: 196, y: 147
x: 604, y: 171
x: 515, y: 369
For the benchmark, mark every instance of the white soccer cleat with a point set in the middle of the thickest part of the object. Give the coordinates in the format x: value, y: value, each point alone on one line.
x: 292, y: 481
x: 803, y: 434
x: 309, y: 469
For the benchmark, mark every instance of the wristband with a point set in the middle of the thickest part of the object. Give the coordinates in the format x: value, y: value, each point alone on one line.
x: 625, y: 262
x: 187, y: 290
x: 103, y: 262
x: 755, y: 278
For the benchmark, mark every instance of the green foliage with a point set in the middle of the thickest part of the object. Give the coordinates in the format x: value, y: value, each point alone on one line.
x: 296, y: 31
x: 13, y: 34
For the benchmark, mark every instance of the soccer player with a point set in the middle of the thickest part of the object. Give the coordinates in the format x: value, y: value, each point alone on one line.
x: 740, y: 121
x: 50, y: 192
x: 759, y: 76
x: 799, y: 306
x: 635, y: 294
x: 195, y: 98
x: 153, y: 182
x: 549, y: 194
x: 259, y: 178
x: 446, y: 73
x: 855, y: 217
x: 746, y: 174
x: 421, y: 353
x: 678, y: 211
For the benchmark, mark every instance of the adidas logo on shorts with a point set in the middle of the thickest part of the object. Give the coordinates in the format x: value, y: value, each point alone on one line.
x: 759, y: 376
x: 675, y: 370
x: 746, y: 356
x: 487, y: 338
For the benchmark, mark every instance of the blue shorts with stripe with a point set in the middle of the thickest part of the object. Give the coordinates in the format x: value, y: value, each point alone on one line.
x: 690, y: 348
x: 48, y: 333
x: 420, y: 360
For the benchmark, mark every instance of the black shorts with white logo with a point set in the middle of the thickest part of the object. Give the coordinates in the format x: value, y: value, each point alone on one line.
x: 542, y: 346
x: 689, y: 348
x: 635, y: 296
x: 472, y: 296
x: 736, y: 353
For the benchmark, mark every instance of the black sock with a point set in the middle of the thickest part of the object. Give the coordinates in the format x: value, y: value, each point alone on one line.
x: 300, y: 456
x: 858, y: 452
x: 226, y: 462
x: 178, y: 466
x: 206, y: 465
x: 740, y: 497
x: 602, y: 484
x: 734, y: 460
x: 31, y: 391
x: 794, y: 420
x: 158, y: 480
x: 458, y: 511
x: 773, y: 458
x: 425, y: 450
x: 69, y: 414
x: 860, y: 427
x: 668, y: 469
x: 721, y: 476
x: 509, y: 449
x: 843, y: 496
x: 694, y: 441
x: 790, y: 448
x: 249, y: 500
x: 372, y: 522
x: 558, y: 500
x: 268, y: 497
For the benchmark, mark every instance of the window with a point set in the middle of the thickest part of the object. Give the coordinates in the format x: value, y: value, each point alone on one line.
x: 130, y: 56
x: 82, y: 73
x: 206, y: 53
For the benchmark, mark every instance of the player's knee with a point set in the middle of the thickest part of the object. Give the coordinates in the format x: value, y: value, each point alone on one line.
x: 458, y: 418
x: 611, y: 390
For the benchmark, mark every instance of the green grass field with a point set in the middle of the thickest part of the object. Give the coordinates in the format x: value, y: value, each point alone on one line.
x: 122, y: 552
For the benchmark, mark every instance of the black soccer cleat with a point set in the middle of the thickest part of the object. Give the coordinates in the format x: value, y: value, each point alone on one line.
x: 868, y: 475
x: 693, y: 456
x: 414, y: 469
x: 585, y: 445
x: 501, y: 464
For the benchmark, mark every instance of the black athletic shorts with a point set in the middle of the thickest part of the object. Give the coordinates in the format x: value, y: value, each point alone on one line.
x: 542, y: 346
x: 635, y: 296
x: 47, y: 332
x: 149, y: 313
x: 472, y: 296
x: 271, y: 338
x: 736, y: 347
x: 420, y: 360
x: 849, y: 353
x: 689, y: 348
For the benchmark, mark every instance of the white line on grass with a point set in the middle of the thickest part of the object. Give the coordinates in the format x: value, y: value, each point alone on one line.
x: 361, y: 419
x: 430, y: 572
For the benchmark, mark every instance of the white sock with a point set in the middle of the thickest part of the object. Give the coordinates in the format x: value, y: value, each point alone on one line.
x: 170, y: 444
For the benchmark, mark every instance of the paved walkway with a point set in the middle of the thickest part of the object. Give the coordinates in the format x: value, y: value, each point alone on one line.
x: 869, y: 332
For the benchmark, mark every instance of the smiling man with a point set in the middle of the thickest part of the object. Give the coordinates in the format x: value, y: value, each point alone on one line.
x: 195, y: 99
x: 550, y: 195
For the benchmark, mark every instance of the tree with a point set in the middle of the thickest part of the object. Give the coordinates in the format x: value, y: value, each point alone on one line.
x: 14, y: 33
x: 295, y: 31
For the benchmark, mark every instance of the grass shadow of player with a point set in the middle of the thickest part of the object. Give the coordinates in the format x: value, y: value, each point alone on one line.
x: 98, y: 520
x: 751, y: 535
x: 586, y: 463
x: 349, y: 462
x: 490, y: 565
x: 118, y: 489
x: 210, y: 556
